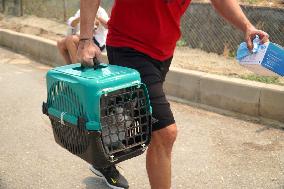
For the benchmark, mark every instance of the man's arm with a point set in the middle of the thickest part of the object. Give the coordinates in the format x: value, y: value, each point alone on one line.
x: 87, y: 50
x: 231, y: 11
x: 89, y: 10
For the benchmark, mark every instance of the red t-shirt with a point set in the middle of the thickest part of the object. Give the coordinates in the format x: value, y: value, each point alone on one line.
x: 149, y: 26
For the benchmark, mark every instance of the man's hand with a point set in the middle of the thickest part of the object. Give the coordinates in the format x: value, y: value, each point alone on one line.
x: 87, y: 50
x: 250, y: 34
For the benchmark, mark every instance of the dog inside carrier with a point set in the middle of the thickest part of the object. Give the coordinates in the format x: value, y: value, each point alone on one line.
x: 102, y: 114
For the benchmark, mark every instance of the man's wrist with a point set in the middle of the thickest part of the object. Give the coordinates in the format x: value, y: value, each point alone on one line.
x: 84, y: 42
x: 248, y: 27
x: 85, y: 39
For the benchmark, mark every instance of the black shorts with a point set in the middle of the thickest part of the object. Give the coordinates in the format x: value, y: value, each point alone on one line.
x: 152, y: 73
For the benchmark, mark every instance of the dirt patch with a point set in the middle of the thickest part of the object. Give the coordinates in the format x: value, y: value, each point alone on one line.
x: 195, y: 59
x: 199, y: 60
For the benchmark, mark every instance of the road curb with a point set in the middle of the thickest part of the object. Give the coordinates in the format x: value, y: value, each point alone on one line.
x: 247, y: 97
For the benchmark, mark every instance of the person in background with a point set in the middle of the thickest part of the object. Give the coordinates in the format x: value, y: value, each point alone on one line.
x: 69, y: 44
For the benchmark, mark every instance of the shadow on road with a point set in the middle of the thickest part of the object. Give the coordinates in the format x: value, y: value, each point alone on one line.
x: 95, y: 183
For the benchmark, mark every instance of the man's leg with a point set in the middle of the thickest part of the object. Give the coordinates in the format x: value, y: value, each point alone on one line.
x: 61, y: 45
x: 158, y: 160
x: 72, y: 42
x: 152, y: 73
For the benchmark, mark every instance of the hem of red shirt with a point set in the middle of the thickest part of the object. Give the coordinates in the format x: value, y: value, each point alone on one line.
x: 141, y: 49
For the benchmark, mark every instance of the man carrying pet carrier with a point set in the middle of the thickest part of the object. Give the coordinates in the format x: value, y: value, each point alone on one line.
x: 142, y: 35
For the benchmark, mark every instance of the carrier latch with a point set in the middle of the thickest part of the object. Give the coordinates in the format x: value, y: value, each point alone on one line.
x: 112, y: 159
x: 62, y: 118
x: 144, y: 147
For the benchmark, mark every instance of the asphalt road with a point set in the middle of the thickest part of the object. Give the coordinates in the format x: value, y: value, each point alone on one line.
x: 212, y: 150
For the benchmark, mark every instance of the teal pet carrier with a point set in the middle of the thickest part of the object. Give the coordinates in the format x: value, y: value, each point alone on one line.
x: 102, y: 114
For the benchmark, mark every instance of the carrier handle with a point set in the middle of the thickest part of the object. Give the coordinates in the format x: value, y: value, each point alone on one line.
x: 96, y: 63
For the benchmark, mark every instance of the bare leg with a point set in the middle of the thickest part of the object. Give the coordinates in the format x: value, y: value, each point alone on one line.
x: 158, y: 160
x: 63, y: 50
x: 72, y: 46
